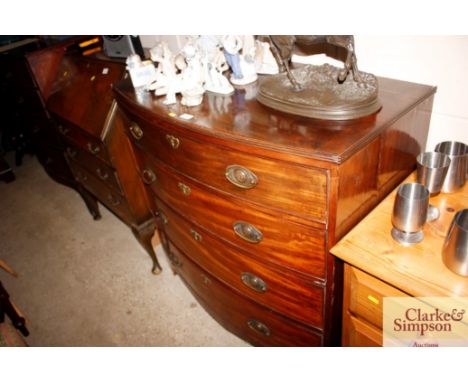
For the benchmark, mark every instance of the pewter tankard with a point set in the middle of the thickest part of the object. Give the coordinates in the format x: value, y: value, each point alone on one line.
x: 456, y: 175
x: 432, y: 170
x: 410, y: 213
x: 455, y: 249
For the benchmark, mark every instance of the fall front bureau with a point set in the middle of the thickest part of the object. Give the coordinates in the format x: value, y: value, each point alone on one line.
x: 92, y: 139
x: 248, y: 200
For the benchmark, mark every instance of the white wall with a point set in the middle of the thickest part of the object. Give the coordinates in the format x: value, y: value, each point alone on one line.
x: 175, y: 42
x: 434, y: 60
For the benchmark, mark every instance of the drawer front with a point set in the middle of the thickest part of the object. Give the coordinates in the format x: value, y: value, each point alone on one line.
x: 282, y: 291
x: 366, y: 295
x: 94, y: 166
x: 298, y: 247
x: 111, y: 199
x: 357, y: 332
x: 279, y: 185
x: 83, y: 140
x: 239, y: 315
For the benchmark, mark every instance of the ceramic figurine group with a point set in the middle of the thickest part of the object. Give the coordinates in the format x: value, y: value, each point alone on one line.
x: 200, y: 65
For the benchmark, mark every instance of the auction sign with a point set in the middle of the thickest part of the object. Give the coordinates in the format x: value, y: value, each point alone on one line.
x: 425, y: 321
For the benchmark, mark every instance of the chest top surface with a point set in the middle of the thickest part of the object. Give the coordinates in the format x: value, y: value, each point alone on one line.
x: 240, y: 117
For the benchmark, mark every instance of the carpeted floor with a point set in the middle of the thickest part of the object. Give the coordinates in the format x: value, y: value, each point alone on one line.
x: 88, y: 283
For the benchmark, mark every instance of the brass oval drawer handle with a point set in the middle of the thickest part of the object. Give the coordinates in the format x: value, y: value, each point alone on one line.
x: 241, y: 177
x: 195, y: 235
x: 206, y: 280
x: 259, y: 327
x: 247, y: 232
x: 63, y: 130
x: 254, y: 282
x: 173, y: 141
x: 148, y: 176
x: 186, y: 190
x: 102, y: 174
x: 163, y: 217
x: 71, y: 152
x: 175, y: 261
x: 80, y: 177
x: 136, y: 131
x: 93, y: 148
x: 113, y: 200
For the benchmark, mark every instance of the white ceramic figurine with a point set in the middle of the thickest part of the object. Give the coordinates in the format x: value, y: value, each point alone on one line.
x: 168, y: 81
x: 240, y: 52
x: 192, y: 76
x: 214, y: 64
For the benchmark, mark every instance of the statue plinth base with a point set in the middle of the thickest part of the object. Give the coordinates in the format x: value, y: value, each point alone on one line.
x: 322, y: 96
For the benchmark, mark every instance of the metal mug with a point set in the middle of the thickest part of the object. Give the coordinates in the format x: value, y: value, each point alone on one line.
x: 410, y: 213
x: 456, y: 175
x: 432, y: 170
x: 455, y: 249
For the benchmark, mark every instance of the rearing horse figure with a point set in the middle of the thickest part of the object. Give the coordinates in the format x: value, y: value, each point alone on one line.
x: 282, y: 47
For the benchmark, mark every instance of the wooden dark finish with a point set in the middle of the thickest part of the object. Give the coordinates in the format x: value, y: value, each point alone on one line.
x: 222, y: 303
x: 99, y: 168
x: 44, y: 63
x: 84, y: 97
x: 92, y: 139
x: 250, y: 127
x: 287, y: 187
x: 83, y: 140
x: 36, y: 73
x: 313, y: 181
x: 111, y: 199
x: 298, y: 297
x: 123, y: 160
x: 298, y: 247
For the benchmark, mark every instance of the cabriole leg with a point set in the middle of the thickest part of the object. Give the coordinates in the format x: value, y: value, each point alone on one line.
x: 144, y: 233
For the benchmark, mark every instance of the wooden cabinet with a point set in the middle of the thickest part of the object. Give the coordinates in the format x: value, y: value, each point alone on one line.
x: 380, y: 267
x: 363, y: 307
x: 249, y: 200
x: 95, y: 144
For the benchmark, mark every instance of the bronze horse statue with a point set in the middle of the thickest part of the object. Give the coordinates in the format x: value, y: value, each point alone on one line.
x: 282, y: 47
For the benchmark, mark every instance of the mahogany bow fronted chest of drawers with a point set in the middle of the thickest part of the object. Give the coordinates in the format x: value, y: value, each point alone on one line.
x: 249, y: 200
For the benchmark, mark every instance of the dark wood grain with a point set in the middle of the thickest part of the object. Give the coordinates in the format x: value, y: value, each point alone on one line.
x: 94, y: 165
x: 80, y: 138
x: 245, y: 123
x: 298, y: 247
x: 82, y: 93
x: 100, y: 156
x: 106, y: 195
x: 122, y: 157
x: 286, y: 292
x: 284, y: 186
x: 222, y: 303
x: 316, y: 180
